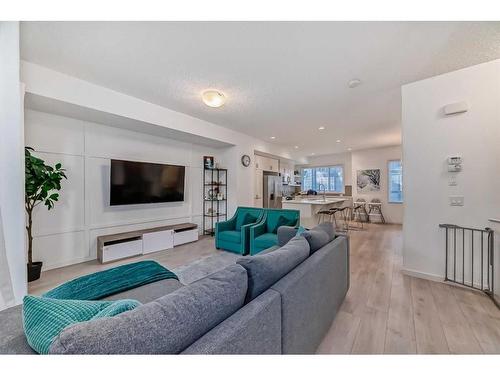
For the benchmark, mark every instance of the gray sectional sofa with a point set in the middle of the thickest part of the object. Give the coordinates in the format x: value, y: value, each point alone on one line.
x: 279, y: 302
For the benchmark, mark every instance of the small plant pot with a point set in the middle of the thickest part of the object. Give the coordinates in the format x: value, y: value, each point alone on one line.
x: 34, y: 271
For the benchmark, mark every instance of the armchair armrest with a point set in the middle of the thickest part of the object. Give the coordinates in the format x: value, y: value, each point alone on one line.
x: 258, y: 229
x: 222, y: 226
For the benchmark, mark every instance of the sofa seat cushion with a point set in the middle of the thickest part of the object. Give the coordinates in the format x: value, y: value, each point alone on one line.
x: 167, y: 325
x: 266, y: 240
x: 266, y: 269
x: 230, y: 236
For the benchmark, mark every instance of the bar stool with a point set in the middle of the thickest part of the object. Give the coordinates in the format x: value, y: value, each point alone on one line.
x: 359, y: 209
x: 375, y: 206
x: 330, y: 213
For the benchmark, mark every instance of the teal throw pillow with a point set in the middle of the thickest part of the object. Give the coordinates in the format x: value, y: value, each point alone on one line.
x: 44, y: 318
x: 245, y: 219
x: 300, y: 230
x: 283, y: 220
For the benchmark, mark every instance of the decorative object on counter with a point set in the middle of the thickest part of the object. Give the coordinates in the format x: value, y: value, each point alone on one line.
x: 42, y: 182
x: 245, y: 160
x: 208, y: 162
x: 368, y: 180
x: 220, y: 196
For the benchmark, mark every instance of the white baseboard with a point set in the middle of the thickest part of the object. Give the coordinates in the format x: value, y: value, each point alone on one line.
x: 423, y: 275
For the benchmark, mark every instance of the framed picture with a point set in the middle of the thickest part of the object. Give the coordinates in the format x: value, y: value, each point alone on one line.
x: 208, y: 162
x: 368, y: 180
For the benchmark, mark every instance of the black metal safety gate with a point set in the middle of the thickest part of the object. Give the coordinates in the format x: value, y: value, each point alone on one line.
x: 469, y: 258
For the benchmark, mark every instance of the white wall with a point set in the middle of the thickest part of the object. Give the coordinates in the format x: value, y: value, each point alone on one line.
x: 377, y: 158
x: 12, y: 242
x: 67, y: 234
x: 51, y: 84
x: 429, y: 138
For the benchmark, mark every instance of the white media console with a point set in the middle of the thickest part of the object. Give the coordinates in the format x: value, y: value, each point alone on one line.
x: 123, y: 245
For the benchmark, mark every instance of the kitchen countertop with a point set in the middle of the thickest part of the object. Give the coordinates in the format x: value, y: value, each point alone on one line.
x: 318, y: 201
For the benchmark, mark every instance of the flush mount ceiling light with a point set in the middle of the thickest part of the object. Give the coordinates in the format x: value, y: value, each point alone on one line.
x: 321, y: 128
x: 272, y: 137
x: 338, y: 141
x: 213, y: 98
x: 354, y: 83
x: 349, y: 148
x: 295, y: 147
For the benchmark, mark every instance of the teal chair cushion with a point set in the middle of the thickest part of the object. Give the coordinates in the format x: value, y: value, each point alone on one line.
x: 44, y: 318
x: 233, y: 236
x: 244, y: 219
x: 266, y: 240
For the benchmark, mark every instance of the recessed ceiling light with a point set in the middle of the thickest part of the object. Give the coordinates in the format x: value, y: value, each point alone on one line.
x: 272, y: 137
x: 338, y: 141
x: 312, y: 154
x: 321, y: 128
x: 354, y: 83
x: 213, y: 98
x: 295, y: 147
x: 349, y: 148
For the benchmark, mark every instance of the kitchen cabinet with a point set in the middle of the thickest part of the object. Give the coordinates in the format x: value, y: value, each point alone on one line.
x: 266, y: 164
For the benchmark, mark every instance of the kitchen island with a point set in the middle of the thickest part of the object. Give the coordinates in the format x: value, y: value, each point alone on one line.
x: 309, y: 208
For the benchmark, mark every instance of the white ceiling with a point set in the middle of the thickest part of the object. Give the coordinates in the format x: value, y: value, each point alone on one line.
x: 282, y: 79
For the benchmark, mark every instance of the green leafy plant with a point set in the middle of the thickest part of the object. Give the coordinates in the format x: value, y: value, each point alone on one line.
x: 41, y: 185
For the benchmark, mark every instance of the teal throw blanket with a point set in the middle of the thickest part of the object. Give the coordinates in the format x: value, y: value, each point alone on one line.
x: 44, y: 318
x: 115, y: 280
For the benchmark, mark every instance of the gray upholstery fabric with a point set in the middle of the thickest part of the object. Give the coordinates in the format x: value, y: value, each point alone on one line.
x: 149, y: 292
x: 285, y: 234
x: 254, y: 329
x: 328, y: 228
x: 272, y: 248
x: 264, y: 270
x: 319, y: 236
x: 165, y: 326
x: 12, y: 338
x: 311, y: 294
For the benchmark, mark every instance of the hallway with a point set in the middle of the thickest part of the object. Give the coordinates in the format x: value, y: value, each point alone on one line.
x: 388, y: 312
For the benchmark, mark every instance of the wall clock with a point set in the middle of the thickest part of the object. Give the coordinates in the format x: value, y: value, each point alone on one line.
x: 245, y: 160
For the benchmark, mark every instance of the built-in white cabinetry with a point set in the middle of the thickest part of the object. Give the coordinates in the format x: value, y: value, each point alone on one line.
x: 266, y: 164
x: 123, y: 245
x: 156, y: 241
x: 286, y: 171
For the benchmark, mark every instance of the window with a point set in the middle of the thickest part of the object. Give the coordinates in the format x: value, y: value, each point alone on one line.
x: 330, y: 178
x: 395, y: 181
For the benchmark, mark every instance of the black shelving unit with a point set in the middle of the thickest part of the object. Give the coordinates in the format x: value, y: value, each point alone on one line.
x: 214, y: 210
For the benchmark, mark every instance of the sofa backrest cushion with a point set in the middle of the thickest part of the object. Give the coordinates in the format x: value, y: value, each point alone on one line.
x: 264, y: 270
x: 319, y: 236
x: 165, y: 326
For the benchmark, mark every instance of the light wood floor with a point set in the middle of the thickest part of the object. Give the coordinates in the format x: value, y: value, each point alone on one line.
x: 388, y: 312
x: 384, y: 311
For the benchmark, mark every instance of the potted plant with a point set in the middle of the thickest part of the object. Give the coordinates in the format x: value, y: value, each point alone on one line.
x: 41, y: 185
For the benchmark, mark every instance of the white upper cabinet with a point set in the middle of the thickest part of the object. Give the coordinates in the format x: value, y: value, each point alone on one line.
x: 266, y: 164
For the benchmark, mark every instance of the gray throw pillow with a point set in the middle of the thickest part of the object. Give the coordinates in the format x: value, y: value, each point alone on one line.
x: 319, y: 236
x: 285, y: 234
x: 265, y: 270
x: 165, y: 326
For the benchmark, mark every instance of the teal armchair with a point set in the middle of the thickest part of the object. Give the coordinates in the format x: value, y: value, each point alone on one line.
x: 233, y: 234
x: 263, y: 235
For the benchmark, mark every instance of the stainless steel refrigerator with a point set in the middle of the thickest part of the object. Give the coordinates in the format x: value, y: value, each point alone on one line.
x: 273, y: 191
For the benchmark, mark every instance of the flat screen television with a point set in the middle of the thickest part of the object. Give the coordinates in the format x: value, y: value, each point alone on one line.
x: 136, y: 183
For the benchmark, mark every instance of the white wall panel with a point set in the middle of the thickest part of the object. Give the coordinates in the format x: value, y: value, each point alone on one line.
x: 83, y: 212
